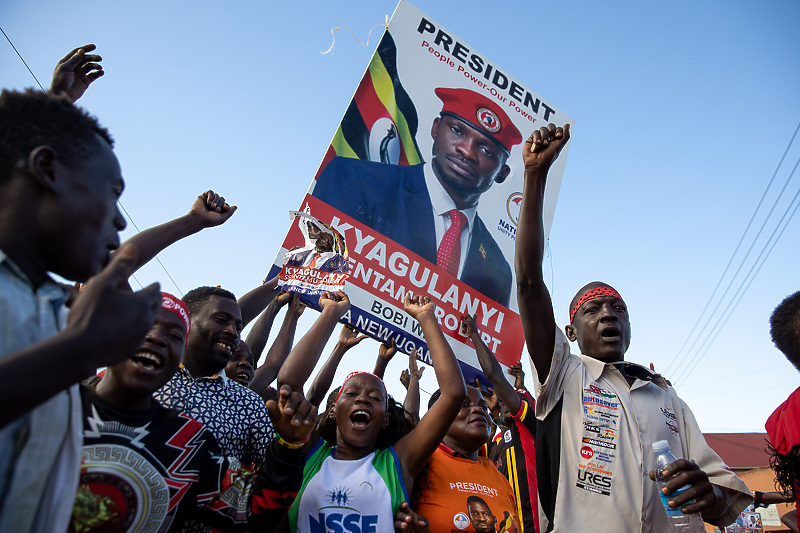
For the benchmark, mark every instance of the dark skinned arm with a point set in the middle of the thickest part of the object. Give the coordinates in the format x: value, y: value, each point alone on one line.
x: 790, y: 520
x: 385, y: 354
x: 519, y: 376
x: 491, y: 367
x: 304, y: 356
x: 710, y: 501
x: 410, y: 380
x: 268, y: 371
x: 257, y: 300
x: 208, y: 210
x: 407, y: 521
x: 535, y: 306
x: 763, y: 499
x: 75, y: 72
x: 348, y: 338
x: 259, y: 334
x: 107, y: 324
x: 416, y: 447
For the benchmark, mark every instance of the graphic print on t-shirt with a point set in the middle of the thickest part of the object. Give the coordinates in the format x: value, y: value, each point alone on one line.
x: 597, y: 453
x: 349, y: 496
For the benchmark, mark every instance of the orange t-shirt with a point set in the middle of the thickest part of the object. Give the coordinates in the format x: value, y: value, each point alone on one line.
x: 466, y: 496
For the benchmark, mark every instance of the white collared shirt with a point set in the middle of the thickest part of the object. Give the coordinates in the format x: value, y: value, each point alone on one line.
x: 442, y: 204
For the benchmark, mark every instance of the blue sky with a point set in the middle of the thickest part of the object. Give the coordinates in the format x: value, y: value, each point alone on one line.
x: 683, y: 111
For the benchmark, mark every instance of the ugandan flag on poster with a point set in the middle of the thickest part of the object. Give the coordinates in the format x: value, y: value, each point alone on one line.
x: 380, y: 123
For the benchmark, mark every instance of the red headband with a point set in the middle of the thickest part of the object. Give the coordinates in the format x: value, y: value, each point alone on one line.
x: 176, y: 306
x: 782, y: 427
x: 591, y: 294
x: 353, y: 374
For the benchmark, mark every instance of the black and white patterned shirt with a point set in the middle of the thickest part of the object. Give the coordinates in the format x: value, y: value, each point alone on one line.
x: 234, y: 414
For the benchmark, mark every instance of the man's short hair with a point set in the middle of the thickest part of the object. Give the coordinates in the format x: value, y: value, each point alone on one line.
x: 34, y: 118
x: 784, y: 327
x: 195, y: 299
x: 477, y: 499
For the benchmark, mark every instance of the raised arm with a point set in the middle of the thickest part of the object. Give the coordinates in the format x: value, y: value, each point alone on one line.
x: 208, y: 210
x: 410, y: 379
x: 258, y: 299
x: 535, y: 306
x: 107, y: 324
x: 416, y: 447
x: 266, y: 372
x: 304, y: 356
x: 75, y: 72
x: 385, y: 353
x: 491, y: 368
x: 519, y: 376
x: 259, y: 334
x: 348, y: 338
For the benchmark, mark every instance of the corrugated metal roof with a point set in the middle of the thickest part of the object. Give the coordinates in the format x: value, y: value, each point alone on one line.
x: 740, y: 450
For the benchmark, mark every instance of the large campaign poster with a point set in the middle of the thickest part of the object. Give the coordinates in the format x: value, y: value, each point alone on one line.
x: 434, y: 127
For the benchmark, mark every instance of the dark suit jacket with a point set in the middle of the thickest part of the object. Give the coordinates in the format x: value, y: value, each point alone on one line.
x: 394, y: 201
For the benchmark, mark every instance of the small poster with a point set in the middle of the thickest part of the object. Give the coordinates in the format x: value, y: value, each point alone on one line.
x: 747, y: 522
x: 316, y: 266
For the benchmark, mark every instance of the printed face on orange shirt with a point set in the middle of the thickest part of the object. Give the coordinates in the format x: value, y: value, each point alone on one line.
x: 481, y: 517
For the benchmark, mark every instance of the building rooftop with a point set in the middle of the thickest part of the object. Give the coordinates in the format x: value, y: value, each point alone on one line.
x: 740, y: 451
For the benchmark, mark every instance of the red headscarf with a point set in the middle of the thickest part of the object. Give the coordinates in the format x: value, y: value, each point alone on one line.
x: 783, y: 425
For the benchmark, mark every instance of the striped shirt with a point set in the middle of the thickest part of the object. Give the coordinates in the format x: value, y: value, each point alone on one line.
x: 513, y: 453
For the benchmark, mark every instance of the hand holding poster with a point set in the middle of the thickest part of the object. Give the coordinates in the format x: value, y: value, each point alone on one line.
x: 444, y: 227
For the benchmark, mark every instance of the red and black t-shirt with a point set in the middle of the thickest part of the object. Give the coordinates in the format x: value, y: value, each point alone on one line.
x: 153, y: 469
x: 513, y: 452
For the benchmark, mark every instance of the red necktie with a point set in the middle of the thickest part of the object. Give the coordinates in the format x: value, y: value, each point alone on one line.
x: 449, y: 254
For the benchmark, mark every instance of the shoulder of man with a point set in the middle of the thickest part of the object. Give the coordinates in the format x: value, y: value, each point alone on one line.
x: 369, y: 173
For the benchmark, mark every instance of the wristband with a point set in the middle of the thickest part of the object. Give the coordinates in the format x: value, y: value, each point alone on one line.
x: 758, y: 499
x: 293, y: 445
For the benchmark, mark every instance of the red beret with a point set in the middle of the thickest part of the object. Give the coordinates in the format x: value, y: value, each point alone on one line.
x: 481, y: 113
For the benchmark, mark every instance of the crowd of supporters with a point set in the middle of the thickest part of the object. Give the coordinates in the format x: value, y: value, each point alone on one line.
x: 182, y: 430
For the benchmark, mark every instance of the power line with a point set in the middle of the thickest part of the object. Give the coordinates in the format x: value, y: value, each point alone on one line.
x: 23, y: 61
x: 680, y: 359
x: 790, y: 211
x: 156, y: 257
x: 729, y: 376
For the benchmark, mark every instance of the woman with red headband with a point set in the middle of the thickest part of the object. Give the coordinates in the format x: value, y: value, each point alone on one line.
x: 358, y: 473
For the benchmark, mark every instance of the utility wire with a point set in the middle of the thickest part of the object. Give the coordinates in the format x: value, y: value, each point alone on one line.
x: 729, y: 376
x: 689, y: 359
x: 118, y: 201
x: 741, y: 296
x: 23, y: 61
x: 748, y: 279
x: 677, y: 362
x: 156, y: 257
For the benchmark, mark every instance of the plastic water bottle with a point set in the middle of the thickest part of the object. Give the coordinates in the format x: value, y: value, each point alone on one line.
x: 679, y: 522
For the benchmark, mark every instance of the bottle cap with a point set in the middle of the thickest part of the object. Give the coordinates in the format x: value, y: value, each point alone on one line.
x: 660, y: 446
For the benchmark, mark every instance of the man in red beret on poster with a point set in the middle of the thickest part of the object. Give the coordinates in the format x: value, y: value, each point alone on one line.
x: 431, y: 208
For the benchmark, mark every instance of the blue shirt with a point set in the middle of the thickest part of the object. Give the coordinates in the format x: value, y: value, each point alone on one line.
x: 40, y: 451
